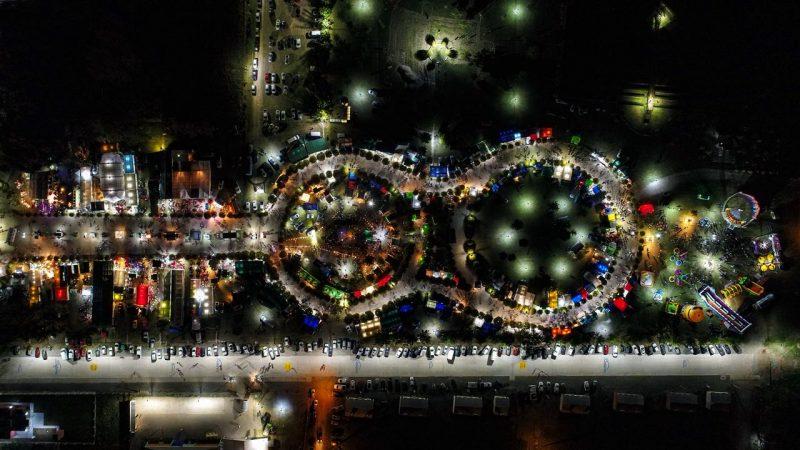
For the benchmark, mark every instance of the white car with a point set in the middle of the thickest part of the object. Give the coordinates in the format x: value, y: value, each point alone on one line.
x: 474, y: 349
x: 557, y: 350
x: 399, y: 352
x: 571, y: 350
x: 556, y: 388
x: 712, y: 350
x: 264, y: 352
x: 88, y: 354
x: 615, y: 351
x: 153, y: 356
x: 438, y: 350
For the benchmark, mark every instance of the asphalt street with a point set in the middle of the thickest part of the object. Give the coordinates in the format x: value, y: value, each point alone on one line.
x: 299, y: 366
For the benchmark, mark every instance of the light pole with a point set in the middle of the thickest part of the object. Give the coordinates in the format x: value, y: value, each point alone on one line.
x: 433, y: 144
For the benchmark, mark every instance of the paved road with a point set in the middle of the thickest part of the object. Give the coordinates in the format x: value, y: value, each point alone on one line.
x: 290, y: 366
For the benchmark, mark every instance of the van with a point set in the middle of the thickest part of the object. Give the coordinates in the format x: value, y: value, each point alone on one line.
x: 314, y: 34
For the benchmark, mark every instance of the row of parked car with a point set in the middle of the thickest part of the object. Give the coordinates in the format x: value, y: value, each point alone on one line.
x: 366, y: 351
x: 635, y: 349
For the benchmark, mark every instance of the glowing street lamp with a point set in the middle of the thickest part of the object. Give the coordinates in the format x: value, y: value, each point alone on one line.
x: 515, y: 100
x: 362, y: 7
x: 516, y: 11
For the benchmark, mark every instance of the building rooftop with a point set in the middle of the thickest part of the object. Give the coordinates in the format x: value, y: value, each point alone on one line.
x: 359, y: 407
x: 413, y: 406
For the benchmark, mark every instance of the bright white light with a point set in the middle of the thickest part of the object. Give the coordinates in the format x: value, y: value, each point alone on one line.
x: 201, y: 294
x: 381, y: 234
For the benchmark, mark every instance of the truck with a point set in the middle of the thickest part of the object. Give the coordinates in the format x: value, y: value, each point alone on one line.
x: 11, y: 236
x: 763, y: 302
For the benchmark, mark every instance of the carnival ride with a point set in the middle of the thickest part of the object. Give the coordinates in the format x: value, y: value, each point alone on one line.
x: 740, y: 209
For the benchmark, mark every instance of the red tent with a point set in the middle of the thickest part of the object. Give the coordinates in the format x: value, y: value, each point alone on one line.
x: 142, y: 295
x: 645, y: 209
x: 620, y: 304
x: 383, y: 281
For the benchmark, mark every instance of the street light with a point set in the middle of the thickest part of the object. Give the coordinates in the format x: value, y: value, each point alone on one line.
x: 433, y: 143
x: 362, y: 6
x: 516, y: 11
